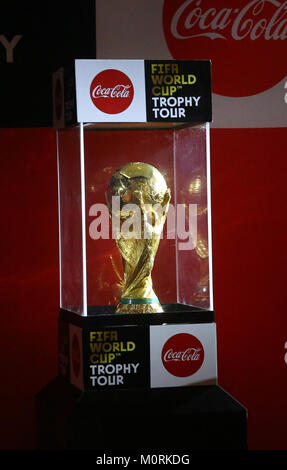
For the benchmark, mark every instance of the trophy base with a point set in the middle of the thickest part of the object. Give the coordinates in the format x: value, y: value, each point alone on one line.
x: 139, y: 308
x: 107, y: 350
x: 169, y: 313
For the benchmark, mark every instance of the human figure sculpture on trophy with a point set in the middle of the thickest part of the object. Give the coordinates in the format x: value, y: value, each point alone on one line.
x: 138, y: 200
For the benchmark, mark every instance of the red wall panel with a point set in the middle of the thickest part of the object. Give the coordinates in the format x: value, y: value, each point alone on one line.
x: 249, y: 255
x: 29, y: 278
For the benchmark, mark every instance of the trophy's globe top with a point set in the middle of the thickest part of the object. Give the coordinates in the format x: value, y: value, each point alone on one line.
x: 137, y: 182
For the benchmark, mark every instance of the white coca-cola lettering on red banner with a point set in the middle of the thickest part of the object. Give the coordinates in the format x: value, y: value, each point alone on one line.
x: 246, y: 40
x: 112, y: 91
x: 182, y: 355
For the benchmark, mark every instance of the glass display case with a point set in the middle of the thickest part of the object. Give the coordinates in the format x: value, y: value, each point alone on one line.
x: 136, y: 300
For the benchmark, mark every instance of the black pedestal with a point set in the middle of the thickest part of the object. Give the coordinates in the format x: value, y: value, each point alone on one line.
x: 182, y: 418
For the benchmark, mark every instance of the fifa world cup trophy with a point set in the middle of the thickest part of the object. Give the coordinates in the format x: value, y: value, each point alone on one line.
x: 138, y: 200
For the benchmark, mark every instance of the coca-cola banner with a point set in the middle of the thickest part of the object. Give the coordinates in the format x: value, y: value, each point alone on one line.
x: 246, y: 41
x: 110, y: 91
x: 183, y: 355
x: 146, y: 356
x: 132, y: 91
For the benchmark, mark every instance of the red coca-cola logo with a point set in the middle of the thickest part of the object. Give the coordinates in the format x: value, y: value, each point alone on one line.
x: 245, y: 39
x: 111, y: 91
x: 76, y: 356
x: 182, y: 355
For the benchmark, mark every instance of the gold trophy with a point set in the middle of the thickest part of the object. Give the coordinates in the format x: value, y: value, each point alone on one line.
x: 138, y: 200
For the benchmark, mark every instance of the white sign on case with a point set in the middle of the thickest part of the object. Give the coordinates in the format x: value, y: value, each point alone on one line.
x: 205, y: 333
x: 86, y: 70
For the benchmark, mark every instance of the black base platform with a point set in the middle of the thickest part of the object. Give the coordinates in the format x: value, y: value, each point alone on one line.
x: 105, y: 315
x: 181, y: 418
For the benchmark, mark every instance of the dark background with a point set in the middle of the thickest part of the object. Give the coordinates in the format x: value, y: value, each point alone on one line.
x: 52, y: 34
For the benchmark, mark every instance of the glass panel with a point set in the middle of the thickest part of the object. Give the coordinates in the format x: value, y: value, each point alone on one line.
x: 181, y: 268
x: 105, y: 152
x: 191, y: 191
x: 71, y: 262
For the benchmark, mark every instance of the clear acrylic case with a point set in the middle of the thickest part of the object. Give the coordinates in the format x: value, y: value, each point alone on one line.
x: 91, y: 270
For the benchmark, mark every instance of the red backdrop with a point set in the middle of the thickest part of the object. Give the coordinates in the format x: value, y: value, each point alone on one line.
x: 249, y: 253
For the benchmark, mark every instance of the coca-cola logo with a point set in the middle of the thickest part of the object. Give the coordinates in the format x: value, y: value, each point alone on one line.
x: 245, y: 39
x: 111, y: 91
x: 182, y: 355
